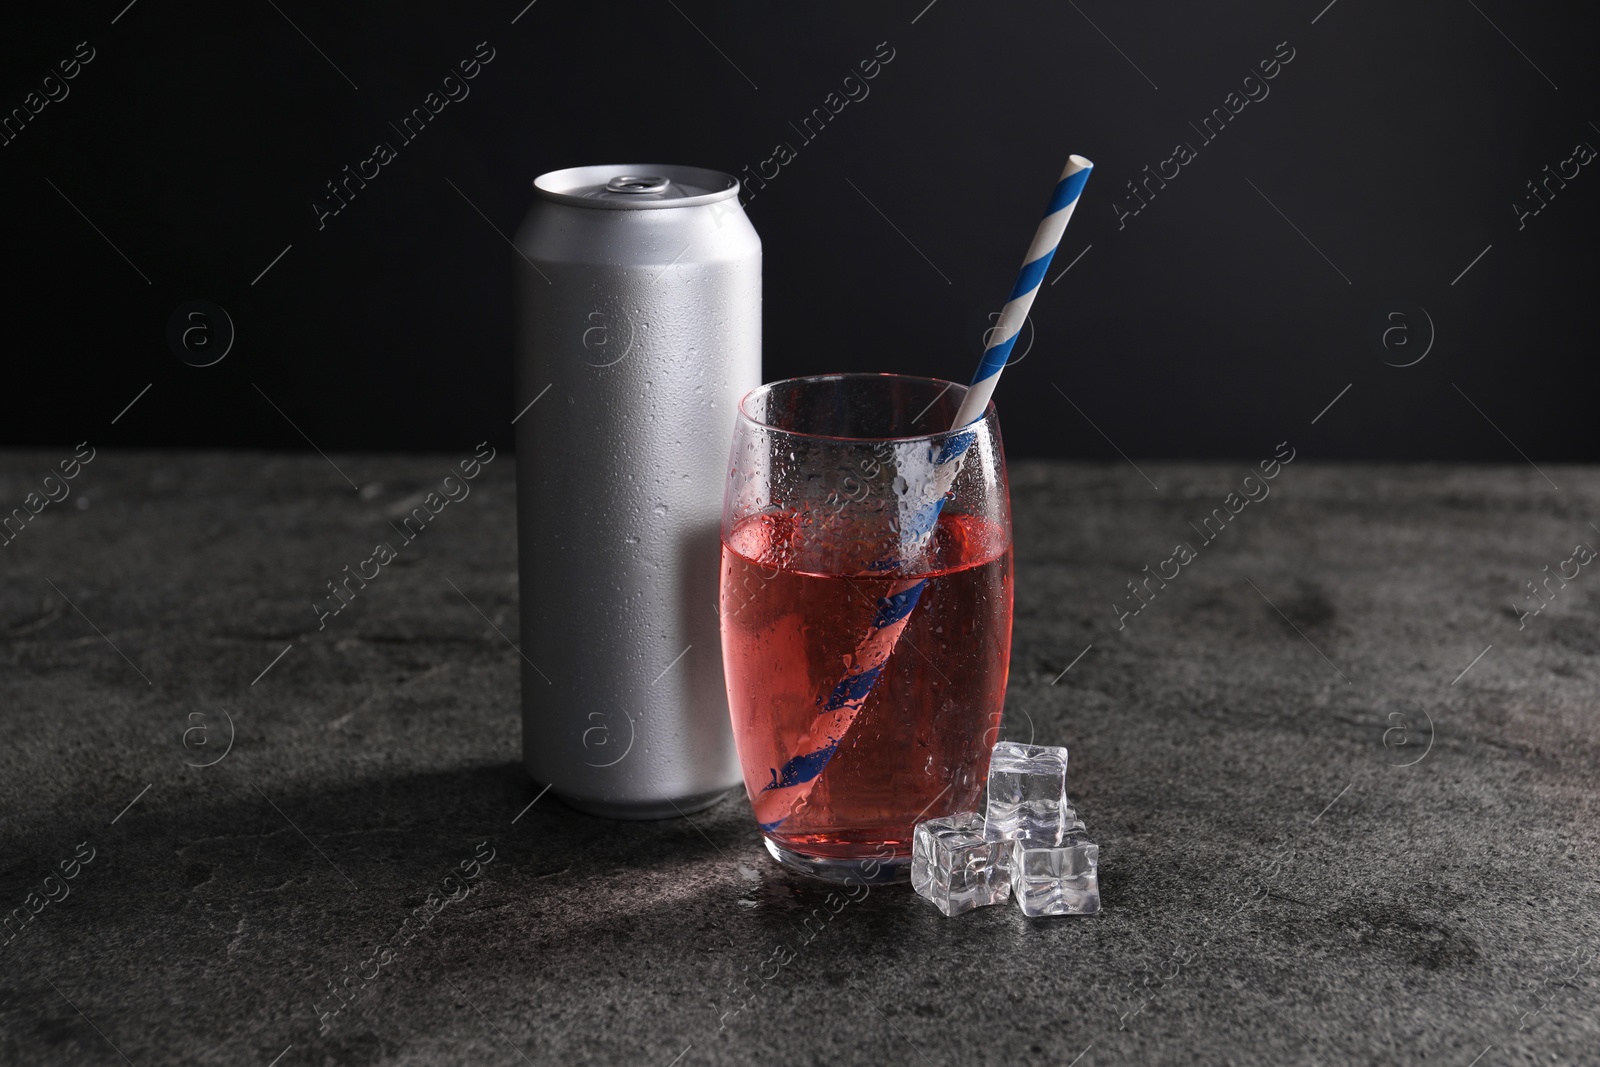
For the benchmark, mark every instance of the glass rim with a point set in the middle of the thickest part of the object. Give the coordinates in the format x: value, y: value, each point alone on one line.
x: 988, y: 410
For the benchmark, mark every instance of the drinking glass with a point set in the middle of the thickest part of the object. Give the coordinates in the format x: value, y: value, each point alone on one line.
x: 866, y: 600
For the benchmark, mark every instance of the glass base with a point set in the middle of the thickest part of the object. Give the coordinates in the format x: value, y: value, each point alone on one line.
x: 869, y: 871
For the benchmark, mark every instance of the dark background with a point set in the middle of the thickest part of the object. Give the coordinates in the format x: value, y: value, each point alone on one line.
x: 1397, y: 141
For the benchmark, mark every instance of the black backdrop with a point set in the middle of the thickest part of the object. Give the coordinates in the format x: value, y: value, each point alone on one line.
x: 1358, y: 213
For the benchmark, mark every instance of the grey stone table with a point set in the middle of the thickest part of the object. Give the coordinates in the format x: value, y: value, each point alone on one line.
x: 1345, y: 794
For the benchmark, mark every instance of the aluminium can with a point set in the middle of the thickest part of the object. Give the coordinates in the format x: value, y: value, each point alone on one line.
x: 639, y: 305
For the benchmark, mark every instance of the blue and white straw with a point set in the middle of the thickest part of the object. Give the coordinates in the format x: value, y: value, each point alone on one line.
x: 1015, y: 313
x: 790, y: 784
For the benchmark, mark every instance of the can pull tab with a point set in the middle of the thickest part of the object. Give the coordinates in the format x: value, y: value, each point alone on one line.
x: 637, y: 183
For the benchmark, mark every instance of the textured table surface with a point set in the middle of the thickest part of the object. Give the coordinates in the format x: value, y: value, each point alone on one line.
x: 1321, y: 841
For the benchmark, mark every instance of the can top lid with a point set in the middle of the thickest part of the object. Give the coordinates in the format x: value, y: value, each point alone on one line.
x: 631, y: 186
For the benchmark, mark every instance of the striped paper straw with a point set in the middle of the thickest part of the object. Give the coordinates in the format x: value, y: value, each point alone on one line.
x: 1034, y: 265
x: 790, y: 784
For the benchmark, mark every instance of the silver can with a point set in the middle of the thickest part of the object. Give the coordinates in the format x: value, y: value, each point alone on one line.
x: 639, y: 300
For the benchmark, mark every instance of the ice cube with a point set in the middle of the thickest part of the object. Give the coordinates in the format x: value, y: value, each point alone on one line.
x: 1056, y: 879
x: 956, y: 867
x: 1070, y: 823
x: 1028, y: 793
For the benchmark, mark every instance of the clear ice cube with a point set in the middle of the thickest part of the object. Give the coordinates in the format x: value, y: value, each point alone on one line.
x: 1056, y: 879
x: 1028, y: 794
x: 956, y: 867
